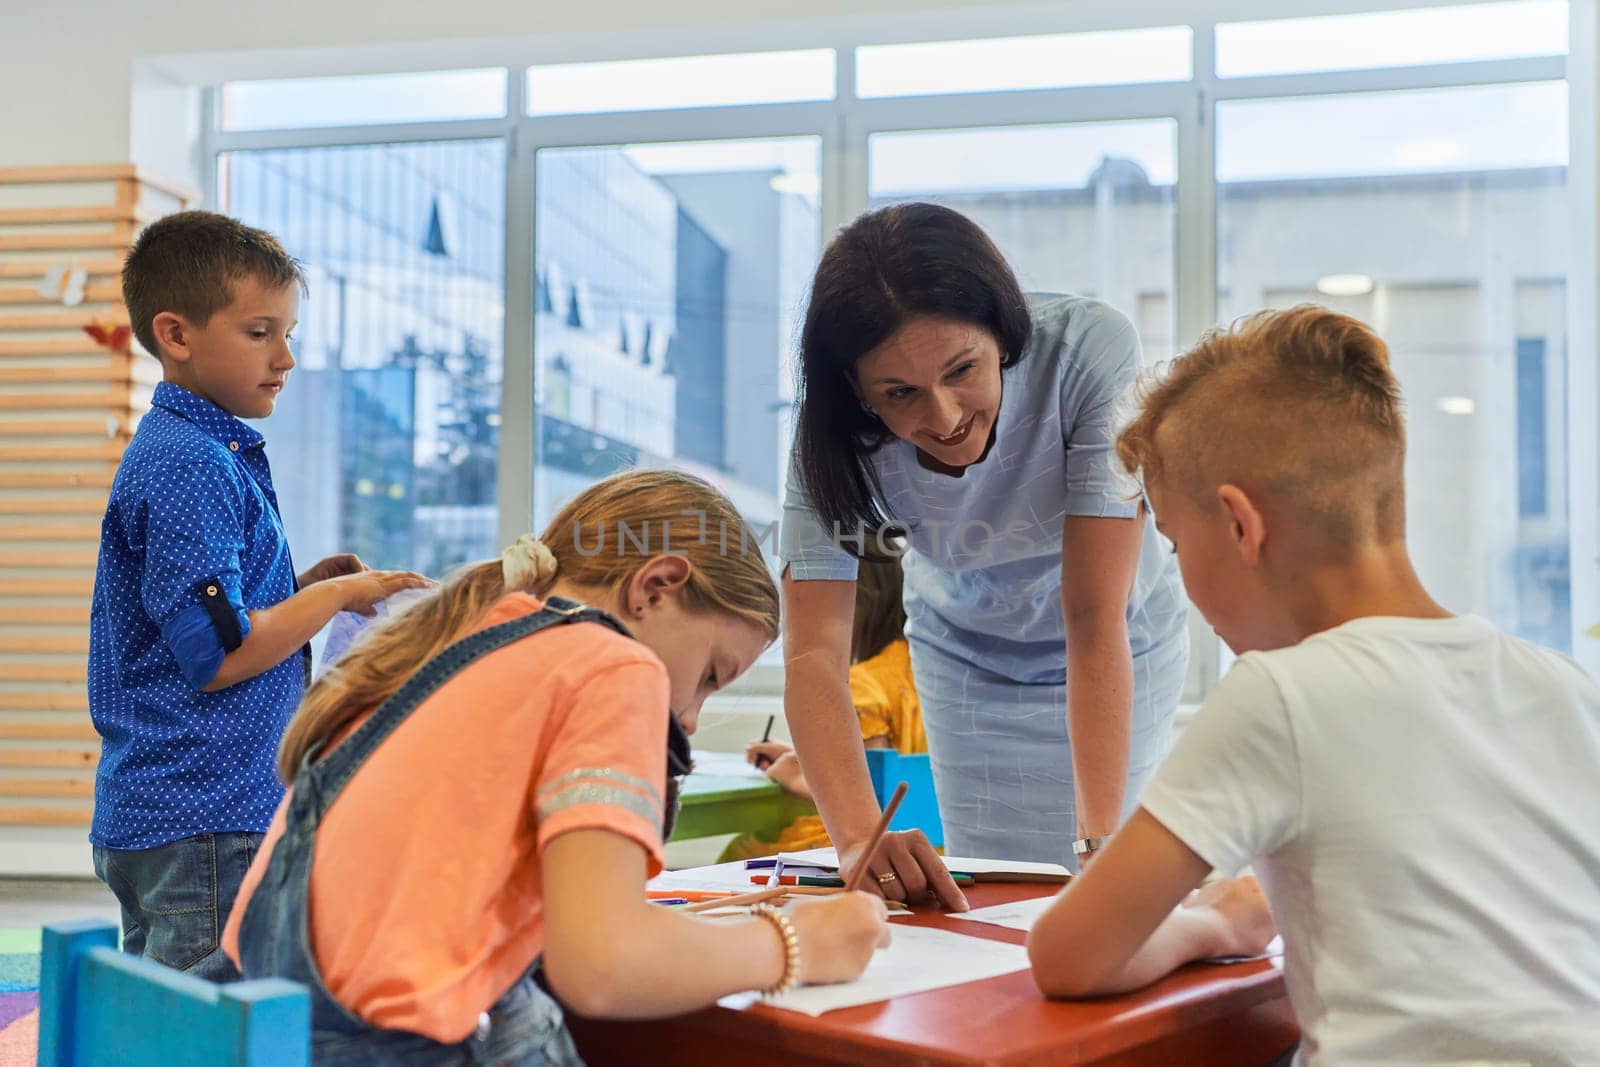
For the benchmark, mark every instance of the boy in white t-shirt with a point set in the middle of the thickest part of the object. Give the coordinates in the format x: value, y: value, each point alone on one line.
x: 1418, y: 792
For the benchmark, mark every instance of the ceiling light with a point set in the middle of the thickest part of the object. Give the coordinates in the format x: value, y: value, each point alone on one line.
x: 1344, y: 284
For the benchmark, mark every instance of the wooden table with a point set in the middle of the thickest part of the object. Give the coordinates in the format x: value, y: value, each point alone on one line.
x: 1233, y: 1015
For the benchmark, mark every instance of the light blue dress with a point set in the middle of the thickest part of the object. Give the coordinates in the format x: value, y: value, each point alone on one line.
x: 983, y: 587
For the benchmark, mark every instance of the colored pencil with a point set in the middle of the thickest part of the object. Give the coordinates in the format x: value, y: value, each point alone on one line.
x: 738, y: 901
x: 762, y: 762
x: 877, y: 839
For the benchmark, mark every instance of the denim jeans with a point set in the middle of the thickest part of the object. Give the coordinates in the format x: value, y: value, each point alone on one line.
x: 525, y: 1027
x: 176, y: 897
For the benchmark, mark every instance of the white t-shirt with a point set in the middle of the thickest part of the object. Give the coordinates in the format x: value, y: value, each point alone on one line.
x: 1421, y: 801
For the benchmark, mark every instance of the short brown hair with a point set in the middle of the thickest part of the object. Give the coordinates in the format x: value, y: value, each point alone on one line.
x: 186, y: 263
x: 1301, y: 403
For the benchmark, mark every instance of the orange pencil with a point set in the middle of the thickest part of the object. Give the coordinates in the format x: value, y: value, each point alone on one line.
x: 737, y: 901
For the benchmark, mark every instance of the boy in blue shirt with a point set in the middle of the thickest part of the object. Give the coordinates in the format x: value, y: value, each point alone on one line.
x: 199, y: 624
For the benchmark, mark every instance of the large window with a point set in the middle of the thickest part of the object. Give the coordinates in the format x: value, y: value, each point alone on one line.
x: 667, y: 279
x: 564, y: 266
x: 1438, y: 217
x: 387, y: 441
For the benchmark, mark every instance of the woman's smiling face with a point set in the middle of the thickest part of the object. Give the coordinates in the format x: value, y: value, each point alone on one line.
x: 935, y: 383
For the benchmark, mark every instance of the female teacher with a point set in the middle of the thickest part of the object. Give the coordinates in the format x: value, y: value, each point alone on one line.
x: 1046, y: 619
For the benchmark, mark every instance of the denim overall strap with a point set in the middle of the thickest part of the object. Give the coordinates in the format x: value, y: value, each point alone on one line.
x: 317, y: 784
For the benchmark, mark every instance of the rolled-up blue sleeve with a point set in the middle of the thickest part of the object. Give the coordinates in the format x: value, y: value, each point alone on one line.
x: 1100, y: 367
x: 806, y: 547
x: 193, y: 519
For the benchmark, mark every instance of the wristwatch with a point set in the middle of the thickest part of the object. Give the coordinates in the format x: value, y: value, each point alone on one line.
x: 1085, y: 845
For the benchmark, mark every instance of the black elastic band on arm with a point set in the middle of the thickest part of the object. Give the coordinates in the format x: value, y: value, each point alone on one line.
x: 223, y: 617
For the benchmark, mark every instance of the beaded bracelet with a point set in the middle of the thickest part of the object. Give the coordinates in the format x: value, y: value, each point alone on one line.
x: 791, y: 949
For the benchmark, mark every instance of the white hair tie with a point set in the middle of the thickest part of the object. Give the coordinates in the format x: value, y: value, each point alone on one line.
x: 528, y: 564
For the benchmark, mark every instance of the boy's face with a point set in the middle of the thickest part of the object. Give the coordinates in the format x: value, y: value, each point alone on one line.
x: 240, y: 359
x: 1228, y: 591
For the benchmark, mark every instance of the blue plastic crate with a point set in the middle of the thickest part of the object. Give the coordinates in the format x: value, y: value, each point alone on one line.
x: 920, y: 809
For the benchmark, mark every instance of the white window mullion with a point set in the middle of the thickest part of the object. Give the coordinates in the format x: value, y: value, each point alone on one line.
x: 1197, y: 281
x: 1583, y: 333
x: 514, y: 480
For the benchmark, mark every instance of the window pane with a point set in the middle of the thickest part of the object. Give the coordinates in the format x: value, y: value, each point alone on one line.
x: 669, y: 279
x: 1483, y: 130
x: 683, y: 81
x: 1514, y: 30
x: 362, y: 101
x: 1086, y: 208
x: 1456, y: 256
x: 386, y: 441
x: 1047, y: 61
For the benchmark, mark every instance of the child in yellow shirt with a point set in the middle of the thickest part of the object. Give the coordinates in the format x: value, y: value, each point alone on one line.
x: 885, y: 699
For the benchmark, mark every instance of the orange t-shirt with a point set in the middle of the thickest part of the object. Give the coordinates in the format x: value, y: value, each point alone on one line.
x: 425, y: 886
x: 884, y: 691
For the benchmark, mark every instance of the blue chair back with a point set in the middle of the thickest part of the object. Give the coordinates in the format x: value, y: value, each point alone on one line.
x: 920, y: 809
x: 98, y: 1006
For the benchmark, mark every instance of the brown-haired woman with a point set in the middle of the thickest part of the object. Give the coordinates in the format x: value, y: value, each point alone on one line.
x: 939, y: 404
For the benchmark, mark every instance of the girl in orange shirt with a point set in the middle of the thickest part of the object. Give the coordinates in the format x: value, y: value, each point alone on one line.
x: 478, y: 789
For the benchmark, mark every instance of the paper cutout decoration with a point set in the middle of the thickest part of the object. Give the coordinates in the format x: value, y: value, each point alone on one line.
x: 72, y: 295
x: 49, y: 287
x: 117, y: 338
x: 63, y: 282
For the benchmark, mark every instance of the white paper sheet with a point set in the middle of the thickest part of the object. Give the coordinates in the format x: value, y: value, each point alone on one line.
x: 1018, y: 915
x: 725, y: 765
x: 918, y: 959
x: 828, y: 857
x: 718, y: 876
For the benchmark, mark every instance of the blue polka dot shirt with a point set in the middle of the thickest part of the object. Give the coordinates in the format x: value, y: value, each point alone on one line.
x: 191, y: 541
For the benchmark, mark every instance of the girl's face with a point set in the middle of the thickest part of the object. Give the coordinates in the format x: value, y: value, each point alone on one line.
x: 935, y: 384
x: 703, y: 651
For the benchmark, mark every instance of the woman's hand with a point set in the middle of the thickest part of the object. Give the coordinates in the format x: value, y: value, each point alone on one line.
x: 838, y: 935
x: 904, y: 867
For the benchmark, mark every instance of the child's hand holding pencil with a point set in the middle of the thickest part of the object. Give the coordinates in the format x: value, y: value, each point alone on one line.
x: 838, y: 935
